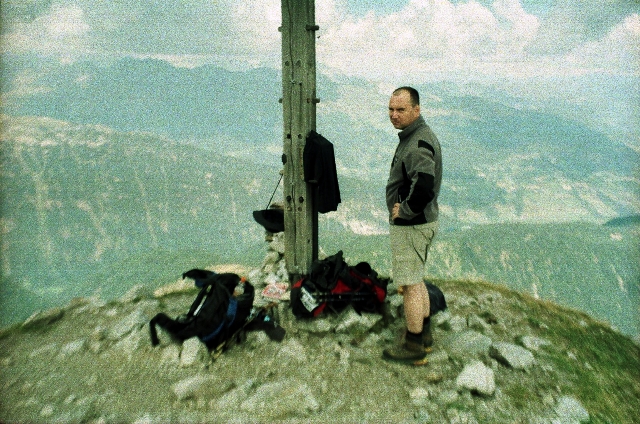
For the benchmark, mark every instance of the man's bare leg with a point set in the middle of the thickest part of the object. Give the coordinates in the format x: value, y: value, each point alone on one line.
x: 416, y: 309
x: 416, y: 306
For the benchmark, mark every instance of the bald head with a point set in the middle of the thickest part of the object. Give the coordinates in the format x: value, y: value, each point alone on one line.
x: 404, y: 107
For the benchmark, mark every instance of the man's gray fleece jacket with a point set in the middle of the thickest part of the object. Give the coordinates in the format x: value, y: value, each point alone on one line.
x: 415, y: 176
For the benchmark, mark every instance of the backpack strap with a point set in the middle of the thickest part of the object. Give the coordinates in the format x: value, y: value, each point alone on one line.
x: 199, y: 300
x: 230, y: 317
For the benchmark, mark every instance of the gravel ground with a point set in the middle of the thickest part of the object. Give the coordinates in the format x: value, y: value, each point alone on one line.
x: 93, y: 362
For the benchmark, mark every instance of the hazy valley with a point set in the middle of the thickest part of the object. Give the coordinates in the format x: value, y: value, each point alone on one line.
x: 131, y: 171
x: 88, y: 209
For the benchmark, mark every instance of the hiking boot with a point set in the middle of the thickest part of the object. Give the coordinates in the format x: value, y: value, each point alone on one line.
x: 409, y: 352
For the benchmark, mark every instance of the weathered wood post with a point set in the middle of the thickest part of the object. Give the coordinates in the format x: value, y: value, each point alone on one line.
x: 299, y: 116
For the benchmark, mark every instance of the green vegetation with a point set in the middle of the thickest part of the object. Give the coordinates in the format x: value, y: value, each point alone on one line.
x: 577, y: 356
x: 596, y: 364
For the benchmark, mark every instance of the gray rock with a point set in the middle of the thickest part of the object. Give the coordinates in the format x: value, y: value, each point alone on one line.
x: 371, y: 340
x: 277, y: 244
x: 292, y: 349
x: 464, y: 301
x: 48, y: 349
x: 438, y: 356
x: 272, y: 257
x: 99, y: 333
x: 422, y: 416
x: 570, y: 410
x: 395, y: 299
x: 135, y: 293
x: 533, y: 343
x: 489, y: 298
x: 342, y: 354
x: 134, y: 320
x: 150, y: 306
x: 352, y: 322
x: 467, y: 345
x: 74, y: 411
x: 282, y: 399
x: 40, y: 318
x: 272, y: 278
x: 190, y: 387
x: 170, y: 355
x: 447, y: 397
x: 456, y: 324
x: 72, y: 348
x: 441, y: 319
x: 79, y: 305
x: 460, y: 417
x: 231, y: 400
x: 180, y: 286
x: 477, y: 377
x: 47, y: 411
x: 318, y: 325
x: 261, y: 380
x: 419, y: 396
x: 145, y: 419
x: 396, y: 304
x: 193, y: 351
x: 130, y: 344
x: 474, y: 322
x: 512, y: 355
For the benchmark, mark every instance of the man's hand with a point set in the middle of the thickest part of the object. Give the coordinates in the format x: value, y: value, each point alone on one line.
x: 395, y: 213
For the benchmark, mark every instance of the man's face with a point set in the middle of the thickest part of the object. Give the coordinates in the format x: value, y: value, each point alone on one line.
x: 401, y: 112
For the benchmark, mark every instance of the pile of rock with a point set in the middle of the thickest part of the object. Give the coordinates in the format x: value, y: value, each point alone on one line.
x: 464, y: 340
x: 93, y: 362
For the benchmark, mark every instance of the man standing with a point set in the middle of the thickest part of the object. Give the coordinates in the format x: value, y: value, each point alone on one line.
x: 412, y: 200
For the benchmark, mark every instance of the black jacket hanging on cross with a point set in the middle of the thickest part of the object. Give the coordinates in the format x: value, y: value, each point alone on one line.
x: 320, y: 169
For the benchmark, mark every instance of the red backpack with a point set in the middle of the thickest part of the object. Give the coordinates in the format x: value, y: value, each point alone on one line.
x: 334, y: 284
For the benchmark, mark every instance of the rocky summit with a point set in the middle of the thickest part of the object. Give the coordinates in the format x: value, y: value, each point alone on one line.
x: 499, y: 357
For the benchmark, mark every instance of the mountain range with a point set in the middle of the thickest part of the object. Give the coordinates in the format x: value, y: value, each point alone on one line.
x: 135, y: 171
x: 512, y: 160
x: 87, y: 209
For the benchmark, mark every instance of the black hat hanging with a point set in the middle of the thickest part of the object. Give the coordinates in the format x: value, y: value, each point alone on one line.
x: 271, y: 218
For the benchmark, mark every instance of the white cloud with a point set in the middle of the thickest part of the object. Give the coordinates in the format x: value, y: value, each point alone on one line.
x: 61, y: 31
x: 230, y: 32
x: 66, y: 22
x: 439, y: 39
x: 618, y: 51
x: 426, y: 40
x: 522, y: 27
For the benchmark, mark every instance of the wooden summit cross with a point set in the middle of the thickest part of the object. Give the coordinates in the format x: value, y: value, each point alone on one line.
x: 299, y: 115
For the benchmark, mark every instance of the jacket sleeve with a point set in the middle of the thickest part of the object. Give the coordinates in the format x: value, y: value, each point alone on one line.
x: 420, y: 170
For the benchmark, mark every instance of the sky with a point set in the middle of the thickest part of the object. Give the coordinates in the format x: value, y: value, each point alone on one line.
x: 540, y: 50
x: 375, y: 39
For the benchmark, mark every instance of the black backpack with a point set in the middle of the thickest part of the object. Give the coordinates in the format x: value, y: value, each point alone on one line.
x: 215, y: 315
x: 333, y: 284
x: 436, y: 298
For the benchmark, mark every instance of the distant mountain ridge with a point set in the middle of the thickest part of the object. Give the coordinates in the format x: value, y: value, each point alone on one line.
x: 504, y: 160
x: 587, y: 266
x: 151, y: 95
x: 87, y: 208
x: 623, y: 221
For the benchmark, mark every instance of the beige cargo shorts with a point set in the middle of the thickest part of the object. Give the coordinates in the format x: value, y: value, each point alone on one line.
x: 409, y: 248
